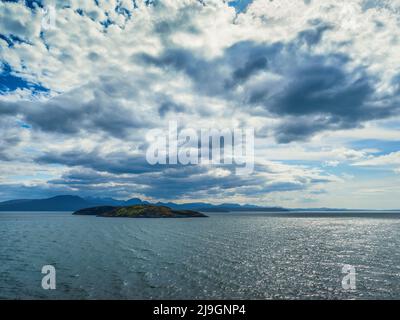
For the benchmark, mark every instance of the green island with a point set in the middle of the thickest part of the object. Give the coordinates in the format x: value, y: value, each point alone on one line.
x: 139, y: 211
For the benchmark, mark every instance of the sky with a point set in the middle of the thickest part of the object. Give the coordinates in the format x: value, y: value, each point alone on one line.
x: 318, y: 81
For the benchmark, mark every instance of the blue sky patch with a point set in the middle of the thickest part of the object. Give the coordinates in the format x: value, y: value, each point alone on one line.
x: 240, y: 5
x: 9, y: 81
x: 383, y: 146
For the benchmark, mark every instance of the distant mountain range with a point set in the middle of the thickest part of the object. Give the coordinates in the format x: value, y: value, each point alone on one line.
x: 73, y: 203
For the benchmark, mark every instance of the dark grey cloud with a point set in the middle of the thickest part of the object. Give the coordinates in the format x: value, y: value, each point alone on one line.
x: 250, y: 68
x: 168, y: 105
x: 174, y: 182
x: 7, y: 142
x: 10, y: 138
x: 313, y: 36
x: 210, y: 77
x: 92, y: 172
x: 75, y: 112
x: 316, y: 92
x: 115, y: 162
x: 322, y: 95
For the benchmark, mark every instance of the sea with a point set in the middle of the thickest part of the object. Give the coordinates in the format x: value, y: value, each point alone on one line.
x: 246, y: 255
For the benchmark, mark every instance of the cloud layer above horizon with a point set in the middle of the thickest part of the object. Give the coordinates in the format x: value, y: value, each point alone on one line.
x: 318, y: 81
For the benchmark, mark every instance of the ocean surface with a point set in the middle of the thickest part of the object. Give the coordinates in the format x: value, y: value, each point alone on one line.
x: 233, y: 256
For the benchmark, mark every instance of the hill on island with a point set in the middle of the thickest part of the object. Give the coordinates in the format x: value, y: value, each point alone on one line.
x: 139, y: 211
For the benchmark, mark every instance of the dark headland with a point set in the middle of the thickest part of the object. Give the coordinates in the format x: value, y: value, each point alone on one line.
x: 139, y: 211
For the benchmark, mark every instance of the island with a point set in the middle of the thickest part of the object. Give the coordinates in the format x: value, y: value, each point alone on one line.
x: 139, y: 211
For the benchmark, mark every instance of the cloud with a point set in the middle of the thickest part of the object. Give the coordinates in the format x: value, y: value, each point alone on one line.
x: 18, y: 21
x: 310, y: 93
x: 188, y: 182
x: 113, y: 162
x: 82, y: 96
x: 103, y: 109
x: 392, y: 158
